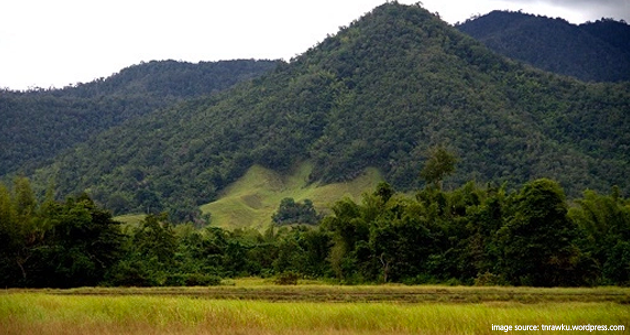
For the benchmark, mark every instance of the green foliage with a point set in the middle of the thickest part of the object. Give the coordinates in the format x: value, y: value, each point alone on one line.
x: 39, y: 124
x: 439, y: 164
x: 53, y: 244
x: 605, y: 224
x: 252, y: 199
x: 404, y: 81
x: 593, y: 51
x: 470, y: 235
x: 287, y: 278
x: 378, y: 94
x: 538, y: 239
x: 291, y: 212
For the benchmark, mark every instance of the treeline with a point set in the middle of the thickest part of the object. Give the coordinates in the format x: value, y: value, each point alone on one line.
x: 469, y: 235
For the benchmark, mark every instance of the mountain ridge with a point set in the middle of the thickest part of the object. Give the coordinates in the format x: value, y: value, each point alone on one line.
x: 378, y: 93
x: 38, y: 124
x: 593, y: 51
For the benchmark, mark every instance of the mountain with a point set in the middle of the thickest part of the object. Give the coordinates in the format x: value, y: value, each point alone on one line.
x: 37, y: 125
x: 379, y: 94
x: 615, y: 33
x: 594, y: 51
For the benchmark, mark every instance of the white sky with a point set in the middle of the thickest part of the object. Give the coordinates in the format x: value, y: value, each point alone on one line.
x: 54, y: 43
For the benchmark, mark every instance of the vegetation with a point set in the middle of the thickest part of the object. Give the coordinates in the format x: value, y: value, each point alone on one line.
x: 419, y: 97
x: 251, y: 200
x: 291, y: 212
x: 53, y: 244
x: 308, y: 290
x: 470, y: 235
x: 439, y: 165
x: 593, y: 51
x: 38, y: 124
x: 37, y: 313
x: 377, y: 94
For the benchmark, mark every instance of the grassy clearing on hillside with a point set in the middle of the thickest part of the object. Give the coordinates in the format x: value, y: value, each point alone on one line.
x: 251, y: 200
x: 51, y: 314
x: 130, y: 219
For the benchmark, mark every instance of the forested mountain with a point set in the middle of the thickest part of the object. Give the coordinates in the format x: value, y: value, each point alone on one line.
x: 615, y: 33
x: 378, y: 93
x: 593, y: 51
x: 38, y: 124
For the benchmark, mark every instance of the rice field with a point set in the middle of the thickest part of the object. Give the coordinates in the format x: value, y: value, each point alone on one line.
x: 258, y: 310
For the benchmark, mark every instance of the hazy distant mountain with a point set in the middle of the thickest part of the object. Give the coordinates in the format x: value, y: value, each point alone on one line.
x: 377, y: 94
x: 594, y: 51
x: 36, y: 125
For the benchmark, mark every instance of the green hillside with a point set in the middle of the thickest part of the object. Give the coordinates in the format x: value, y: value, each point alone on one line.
x: 377, y: 94
x: 253, y: 198
x: 36, y: 125
x: 593, y: 51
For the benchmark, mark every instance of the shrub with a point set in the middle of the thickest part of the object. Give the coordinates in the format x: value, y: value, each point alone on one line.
x: 287, y: 278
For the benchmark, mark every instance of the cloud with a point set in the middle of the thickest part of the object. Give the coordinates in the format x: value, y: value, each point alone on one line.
x: 575, y: 11
x: 46, y: 43
x: 584, y: 9
x: 618, y: 9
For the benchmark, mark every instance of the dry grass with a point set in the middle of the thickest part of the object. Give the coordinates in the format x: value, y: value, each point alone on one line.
x: 141, y: 312
x: 312, y: 291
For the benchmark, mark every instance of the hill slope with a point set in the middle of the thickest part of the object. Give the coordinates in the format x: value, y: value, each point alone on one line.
x: 594, y: 51
x: 377, y: 94
x: 37, y: 125
x: 253, y: 198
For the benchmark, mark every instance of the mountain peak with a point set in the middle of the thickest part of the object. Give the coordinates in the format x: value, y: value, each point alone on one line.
x: 378, y: 94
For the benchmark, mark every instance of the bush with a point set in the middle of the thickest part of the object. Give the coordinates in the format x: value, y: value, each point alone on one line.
x: 287, y: 278
x: 489, y: 279
x: 133, y: 274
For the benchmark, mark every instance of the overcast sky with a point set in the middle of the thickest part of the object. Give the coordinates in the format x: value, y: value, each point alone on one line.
x: 46, y: 43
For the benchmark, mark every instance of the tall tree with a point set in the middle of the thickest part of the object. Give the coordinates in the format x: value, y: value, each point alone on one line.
x: 538, y: 239
x: 605, y: 222
x: 439, y: 165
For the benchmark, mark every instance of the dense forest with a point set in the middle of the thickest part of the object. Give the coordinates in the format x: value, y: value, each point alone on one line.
x: 470, y: 235
x: 376, y: 94
x: 38, y: 124
x: 539, y: 195
x: 592, y: 51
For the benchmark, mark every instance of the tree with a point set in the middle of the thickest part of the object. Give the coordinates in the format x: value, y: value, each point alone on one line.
x: 9, y: 236
x: 290, y: 212
x: 54, y: 244
x: 440, y: 164
x: 156, y: 239
x: 83, y: 244
x: 149, y: 254
x: 605, y: 222
x: 348, y: 229
x: 25, y: 231
x: 538, y: 239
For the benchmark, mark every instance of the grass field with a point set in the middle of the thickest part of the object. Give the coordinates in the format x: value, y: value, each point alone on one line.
x: 259, y: 308
x: 130, y: 219
x: 251, y: 200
